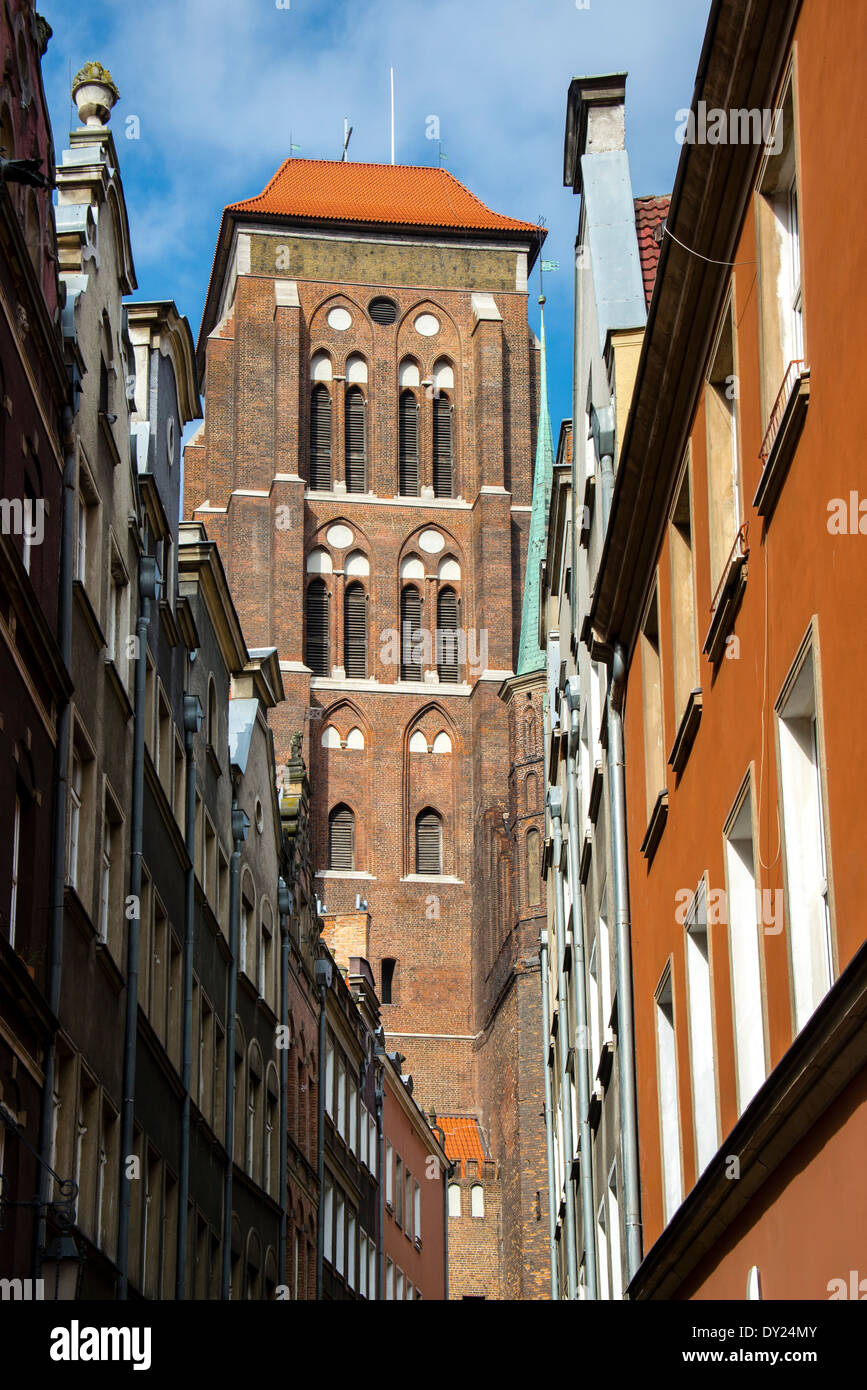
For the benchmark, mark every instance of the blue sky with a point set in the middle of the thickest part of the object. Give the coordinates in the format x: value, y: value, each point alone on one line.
x: 217, y: 86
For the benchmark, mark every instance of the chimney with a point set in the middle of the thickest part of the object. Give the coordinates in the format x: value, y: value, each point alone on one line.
x: 595, y: 122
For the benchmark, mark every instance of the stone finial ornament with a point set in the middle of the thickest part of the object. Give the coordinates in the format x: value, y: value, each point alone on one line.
x: 94, y: 93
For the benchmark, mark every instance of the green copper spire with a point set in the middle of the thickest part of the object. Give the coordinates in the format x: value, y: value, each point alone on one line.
x: 530, y: 655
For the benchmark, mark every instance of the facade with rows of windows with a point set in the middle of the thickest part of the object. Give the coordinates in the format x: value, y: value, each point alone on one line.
x: 733, y: 532
x: 371, y: 387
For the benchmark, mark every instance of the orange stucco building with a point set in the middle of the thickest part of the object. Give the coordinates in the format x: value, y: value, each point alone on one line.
x: 732, y: 580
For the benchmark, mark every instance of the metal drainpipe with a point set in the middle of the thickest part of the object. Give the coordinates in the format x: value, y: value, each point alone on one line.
x: 322, y: 970
x: 555, y: 803
x: 578, y: 973
x: 285, y: 904
x: 602, y: 425
x: 380, y: 1148
x: 549, y: 1119
x: 192, y: 725
x: 58, y: 848
x: 148, y: 590
x: 240, y: 826
x: 447, y: 1172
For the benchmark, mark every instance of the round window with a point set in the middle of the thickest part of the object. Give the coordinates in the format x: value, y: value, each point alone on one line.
x: 341, y: 319
x: 427, y: 325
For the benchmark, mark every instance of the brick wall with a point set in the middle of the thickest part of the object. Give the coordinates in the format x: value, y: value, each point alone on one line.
x: 254, y: 440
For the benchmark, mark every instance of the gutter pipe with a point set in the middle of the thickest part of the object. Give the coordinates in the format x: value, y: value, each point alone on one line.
x: 149, y: 580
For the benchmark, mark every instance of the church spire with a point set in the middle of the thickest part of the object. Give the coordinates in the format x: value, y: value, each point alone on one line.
x: 531, y: 657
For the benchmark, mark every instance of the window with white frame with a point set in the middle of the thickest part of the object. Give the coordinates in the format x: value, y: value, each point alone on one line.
x: 723, y: 469
x: 329, y: 1219
x: 341, y: 1097
x: 340, y: 1233
x: 416, y: 1211
x: 811, y: 951
x: 350, y: 1248
x: 352, y: 1138
x: 477, y: 1200
x: 603, y: 1288
x: 454, y: 1199
x: 669, y: 1114
x: 329, y: 1077
x: 745, y: 952
x: 701, y: 1043
x: 389, y: 1174
x: 74, y: 832
x: 779, y: 235
x: 389, y: 1279
x: 614, y: 1250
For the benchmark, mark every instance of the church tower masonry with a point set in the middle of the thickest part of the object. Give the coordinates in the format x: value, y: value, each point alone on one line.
x: 371, y: 392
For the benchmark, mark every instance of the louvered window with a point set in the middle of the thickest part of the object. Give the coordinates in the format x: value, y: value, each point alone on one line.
x: 382, y: 310
x: 320, y: 439
x: 428, y: 843
x: 341, y: 839
x: 410, y: 634
x: 442, y: 447
x: 447, y: 635
x: 355, y: 631
x: 318, y: 647
x: 356, y: 441
x: 408, y: 445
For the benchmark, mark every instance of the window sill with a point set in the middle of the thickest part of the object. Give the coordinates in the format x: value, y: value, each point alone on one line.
x: 107, y: 432
x: 655, y: 826
x: 595, y: 792
x: 431, y: 878
x: 782, y: 450
x: 115, y: 680
x: 687, y: 730
x: 728, y: 603
x: 89, y: 613
x: 344, y: 873
x: 606, y: 1062
x: 586, y: 855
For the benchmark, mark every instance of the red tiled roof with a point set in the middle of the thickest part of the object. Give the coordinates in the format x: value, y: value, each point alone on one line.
x: 650, y: 213
x: 394, y: 194
x: 463, y: 1139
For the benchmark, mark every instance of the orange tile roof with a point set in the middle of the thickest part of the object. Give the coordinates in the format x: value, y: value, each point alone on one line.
x: 393, y: 194
x: 463, y: 1139
x: 650, y: 213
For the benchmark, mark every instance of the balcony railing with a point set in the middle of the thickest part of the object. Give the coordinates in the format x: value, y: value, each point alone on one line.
x: 793, y: 372
x: 739, y: 551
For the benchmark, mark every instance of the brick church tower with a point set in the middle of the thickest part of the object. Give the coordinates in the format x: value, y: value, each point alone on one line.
x: 371, y: 392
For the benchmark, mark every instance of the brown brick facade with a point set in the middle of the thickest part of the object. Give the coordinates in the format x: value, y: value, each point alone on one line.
x: 453, y: 935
